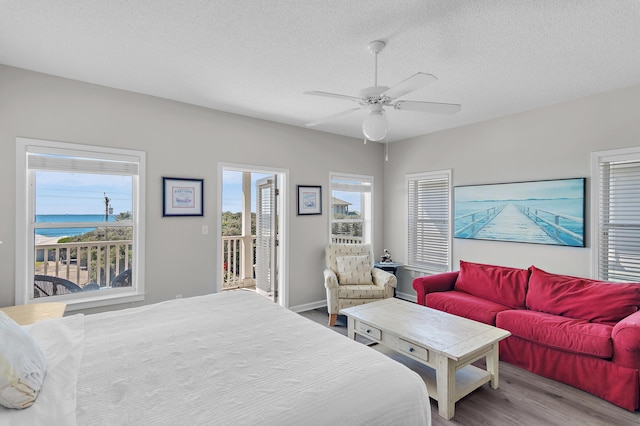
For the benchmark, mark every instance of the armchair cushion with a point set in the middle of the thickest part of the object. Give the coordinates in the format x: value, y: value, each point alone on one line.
x: 360, y: 291
x: 354, y: 270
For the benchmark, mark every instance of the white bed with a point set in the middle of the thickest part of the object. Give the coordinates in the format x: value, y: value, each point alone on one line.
x: 232, y: 358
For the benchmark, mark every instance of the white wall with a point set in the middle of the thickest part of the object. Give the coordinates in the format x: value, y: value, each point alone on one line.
x: 181, y: 141
x: 547, y: 143
x: 184, y: 140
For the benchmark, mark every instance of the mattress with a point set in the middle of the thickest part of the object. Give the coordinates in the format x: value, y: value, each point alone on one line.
x: 232, y: 358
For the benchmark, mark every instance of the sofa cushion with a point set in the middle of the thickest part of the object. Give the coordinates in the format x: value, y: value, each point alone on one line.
x: 465, y: 305
x: 568, y: 334
x: 499, y: 284
x: 581, y: 298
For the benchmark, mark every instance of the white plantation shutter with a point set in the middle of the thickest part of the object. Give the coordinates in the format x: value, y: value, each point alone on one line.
x: 429, y: 231
x: 265, y: 235
x: 617, y: 237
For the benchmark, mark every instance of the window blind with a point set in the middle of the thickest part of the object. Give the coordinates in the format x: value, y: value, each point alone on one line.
x: 81, y: 165
x: 619, y: 219
x: 350, y: 184
x: 428, y: 221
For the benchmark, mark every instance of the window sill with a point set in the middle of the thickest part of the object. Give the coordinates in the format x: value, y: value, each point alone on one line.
x: 95, y: 302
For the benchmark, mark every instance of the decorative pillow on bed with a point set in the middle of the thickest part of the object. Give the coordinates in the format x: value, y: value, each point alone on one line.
x: 354, y: 270
x: 23, y: 365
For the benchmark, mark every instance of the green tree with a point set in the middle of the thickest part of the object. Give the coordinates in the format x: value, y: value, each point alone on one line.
x: 232, y: 224
x: 353, y: 229
x: 124, y: 216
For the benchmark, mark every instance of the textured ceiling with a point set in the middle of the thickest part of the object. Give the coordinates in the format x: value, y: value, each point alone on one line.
x: 256, y: 58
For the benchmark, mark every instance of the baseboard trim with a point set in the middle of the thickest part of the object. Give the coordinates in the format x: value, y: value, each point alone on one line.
x: 407, y: 296
x: 322, y: 303
x: 308, y: 306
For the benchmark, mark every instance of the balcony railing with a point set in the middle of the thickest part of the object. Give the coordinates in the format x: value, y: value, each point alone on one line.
x: 236, y: 272
x: 84, y: 262
x: 346, y: 239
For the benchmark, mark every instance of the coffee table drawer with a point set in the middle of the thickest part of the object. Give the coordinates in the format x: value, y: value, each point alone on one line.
x: 368, y: 330
x: 413, y: 349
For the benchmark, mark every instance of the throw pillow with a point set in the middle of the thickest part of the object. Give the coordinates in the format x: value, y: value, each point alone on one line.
x: 23, y: 365
x: 354, y: 270
x: 581, y: 298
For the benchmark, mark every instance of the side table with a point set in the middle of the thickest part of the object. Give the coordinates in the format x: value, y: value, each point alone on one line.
x: 388, y: 266
x: 32, y: 313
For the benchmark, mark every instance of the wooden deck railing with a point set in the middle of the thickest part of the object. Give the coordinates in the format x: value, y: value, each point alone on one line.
x: 84, y: 262
x: 235, y: 272
x: 346, y: 239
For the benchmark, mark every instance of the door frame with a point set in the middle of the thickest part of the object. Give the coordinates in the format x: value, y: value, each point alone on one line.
x: 282, y: 202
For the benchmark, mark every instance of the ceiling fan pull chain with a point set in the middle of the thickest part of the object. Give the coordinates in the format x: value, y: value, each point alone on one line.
x: 386, y: 149
x: 375, y: 72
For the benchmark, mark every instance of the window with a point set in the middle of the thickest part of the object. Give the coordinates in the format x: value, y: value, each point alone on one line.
x: 351, y: 208
x: 615, y: 197
x: 79, y: 227
x: 429, y: 231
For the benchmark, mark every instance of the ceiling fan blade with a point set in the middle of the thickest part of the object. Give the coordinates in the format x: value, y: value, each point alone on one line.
x: 434, y: 107
x: 334, y: 95
x: 414, y: 82
x: 331, y: 117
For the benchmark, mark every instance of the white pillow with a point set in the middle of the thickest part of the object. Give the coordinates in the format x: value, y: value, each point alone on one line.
x: 354, y: 270
x: 23, y: 365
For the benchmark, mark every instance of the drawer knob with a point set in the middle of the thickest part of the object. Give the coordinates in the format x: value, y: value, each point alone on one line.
x: 411, y: 349
x: 368, y: 331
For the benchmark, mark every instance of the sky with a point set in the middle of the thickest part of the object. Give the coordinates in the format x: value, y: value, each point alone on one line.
x: 80, y: 193
x: 566, y: 188
x: 232, y: 190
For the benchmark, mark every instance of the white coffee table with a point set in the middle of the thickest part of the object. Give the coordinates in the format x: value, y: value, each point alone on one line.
x: 447, y: 343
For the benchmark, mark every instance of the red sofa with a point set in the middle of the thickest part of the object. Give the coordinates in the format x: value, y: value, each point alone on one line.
x: 578, y: 331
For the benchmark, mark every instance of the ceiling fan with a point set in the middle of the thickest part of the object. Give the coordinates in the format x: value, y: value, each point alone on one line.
x: 375, y: 126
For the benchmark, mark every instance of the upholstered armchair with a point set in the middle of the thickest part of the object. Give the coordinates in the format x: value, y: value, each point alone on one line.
x: 351, y: 280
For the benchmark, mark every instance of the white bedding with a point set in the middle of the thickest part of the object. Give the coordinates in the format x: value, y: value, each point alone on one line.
x: 232, y: 358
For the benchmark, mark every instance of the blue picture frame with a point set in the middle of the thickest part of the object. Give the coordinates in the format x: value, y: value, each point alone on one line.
x: 537, y: 212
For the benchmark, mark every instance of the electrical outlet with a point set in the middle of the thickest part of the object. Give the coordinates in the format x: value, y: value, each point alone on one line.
x: 205, y: 229
x: 178, y: 296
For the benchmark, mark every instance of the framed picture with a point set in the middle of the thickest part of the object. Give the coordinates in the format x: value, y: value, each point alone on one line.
x: 539, y: 212
x: 182, y: 197
x: 309, y: 200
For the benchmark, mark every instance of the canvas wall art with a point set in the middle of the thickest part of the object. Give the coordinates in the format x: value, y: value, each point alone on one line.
x: 539, y: 212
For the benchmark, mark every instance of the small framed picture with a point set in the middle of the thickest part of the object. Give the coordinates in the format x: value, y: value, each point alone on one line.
x: 309, y: 200
x: 182, y: 197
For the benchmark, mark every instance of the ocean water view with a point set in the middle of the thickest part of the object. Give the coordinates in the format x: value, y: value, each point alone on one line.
x: 68, y: 218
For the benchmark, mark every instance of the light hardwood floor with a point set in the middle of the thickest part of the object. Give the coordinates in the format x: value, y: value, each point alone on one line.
x: 523, y: 398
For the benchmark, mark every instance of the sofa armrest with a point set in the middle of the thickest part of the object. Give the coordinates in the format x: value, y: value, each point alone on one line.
x: 330, y: 279
x: 383, y: 278
x: 431, y: 283
x: 626, y: 341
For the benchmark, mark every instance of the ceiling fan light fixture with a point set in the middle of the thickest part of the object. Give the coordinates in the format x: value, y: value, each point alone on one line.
x: 375, y: 126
